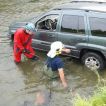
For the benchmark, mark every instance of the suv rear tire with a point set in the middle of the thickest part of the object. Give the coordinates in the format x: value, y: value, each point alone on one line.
x: 12, y: 37
x: 93, y: 61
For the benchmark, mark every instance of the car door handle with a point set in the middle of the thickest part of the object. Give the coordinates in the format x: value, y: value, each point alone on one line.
x: 51, y: 35
x: 83, y: 39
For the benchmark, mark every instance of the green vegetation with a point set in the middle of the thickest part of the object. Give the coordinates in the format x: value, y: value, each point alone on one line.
x: 97, y: 99
x: 78, y: 101
x: 34, y: 0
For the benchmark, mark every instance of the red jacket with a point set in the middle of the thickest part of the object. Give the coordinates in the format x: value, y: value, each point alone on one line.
x: 20, y: 38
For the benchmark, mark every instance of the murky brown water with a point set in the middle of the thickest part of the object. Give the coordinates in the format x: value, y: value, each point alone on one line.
x: 19, y: 84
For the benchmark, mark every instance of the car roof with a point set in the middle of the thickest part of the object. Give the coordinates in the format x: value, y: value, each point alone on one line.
x: 87, y: 6
x: 91, y: 1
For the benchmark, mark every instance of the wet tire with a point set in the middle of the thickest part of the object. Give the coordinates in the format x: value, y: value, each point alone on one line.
x: 93, y: 61
x: 12, y: 38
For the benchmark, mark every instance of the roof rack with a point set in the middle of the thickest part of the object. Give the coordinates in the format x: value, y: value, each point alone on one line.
x: 87, y: 10
x: 86, y: 6
x: 90, y: 1
x: 77, y: 9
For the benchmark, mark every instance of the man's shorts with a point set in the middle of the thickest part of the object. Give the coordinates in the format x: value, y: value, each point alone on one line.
x: 49, y: 73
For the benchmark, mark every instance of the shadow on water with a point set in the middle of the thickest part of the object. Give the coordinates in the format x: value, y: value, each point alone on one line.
x: 35, y: 82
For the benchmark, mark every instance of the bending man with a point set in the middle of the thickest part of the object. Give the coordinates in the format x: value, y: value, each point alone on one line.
x: 22, y: 43
x: 54, y: 63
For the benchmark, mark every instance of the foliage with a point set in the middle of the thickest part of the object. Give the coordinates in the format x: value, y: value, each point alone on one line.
x: 34, y: 0
x: 78, y: 101
x: 98, y: 98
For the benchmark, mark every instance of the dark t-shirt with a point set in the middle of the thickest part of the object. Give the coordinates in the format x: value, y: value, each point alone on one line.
x: 55, y: 63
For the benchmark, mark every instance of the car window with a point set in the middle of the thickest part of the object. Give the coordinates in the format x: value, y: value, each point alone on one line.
x: 73, y: 24
x: 48, y: 22
x: 98, y: 26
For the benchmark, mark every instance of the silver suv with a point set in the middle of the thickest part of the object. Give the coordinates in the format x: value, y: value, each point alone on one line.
x: 80, y: 25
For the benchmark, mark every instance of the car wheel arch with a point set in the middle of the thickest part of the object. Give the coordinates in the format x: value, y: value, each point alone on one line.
x: 12, y: 37
x: 96, y: 55
x: 83, y: 51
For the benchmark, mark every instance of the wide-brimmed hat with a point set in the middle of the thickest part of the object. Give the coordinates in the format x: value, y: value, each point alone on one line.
x: 55, y: 46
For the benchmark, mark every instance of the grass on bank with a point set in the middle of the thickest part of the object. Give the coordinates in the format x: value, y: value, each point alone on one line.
x: 34, y: 0
x: 97, y: 99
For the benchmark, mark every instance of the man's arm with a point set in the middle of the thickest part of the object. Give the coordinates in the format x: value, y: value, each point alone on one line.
x: 17, y: 41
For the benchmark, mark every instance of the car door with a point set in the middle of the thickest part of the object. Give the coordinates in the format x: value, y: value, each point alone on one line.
x: 73, y: 31
x: 46, y: 32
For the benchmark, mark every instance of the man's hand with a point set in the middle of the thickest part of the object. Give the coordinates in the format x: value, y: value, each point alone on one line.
x: 66, y: 50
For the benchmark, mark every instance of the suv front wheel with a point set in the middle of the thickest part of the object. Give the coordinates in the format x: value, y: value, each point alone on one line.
x: 93, y: 61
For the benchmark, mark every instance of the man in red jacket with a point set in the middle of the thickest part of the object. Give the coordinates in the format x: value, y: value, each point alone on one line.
x: 22, y: 43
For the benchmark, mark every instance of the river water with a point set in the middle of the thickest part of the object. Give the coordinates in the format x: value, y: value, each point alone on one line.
x: 20, y: 84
